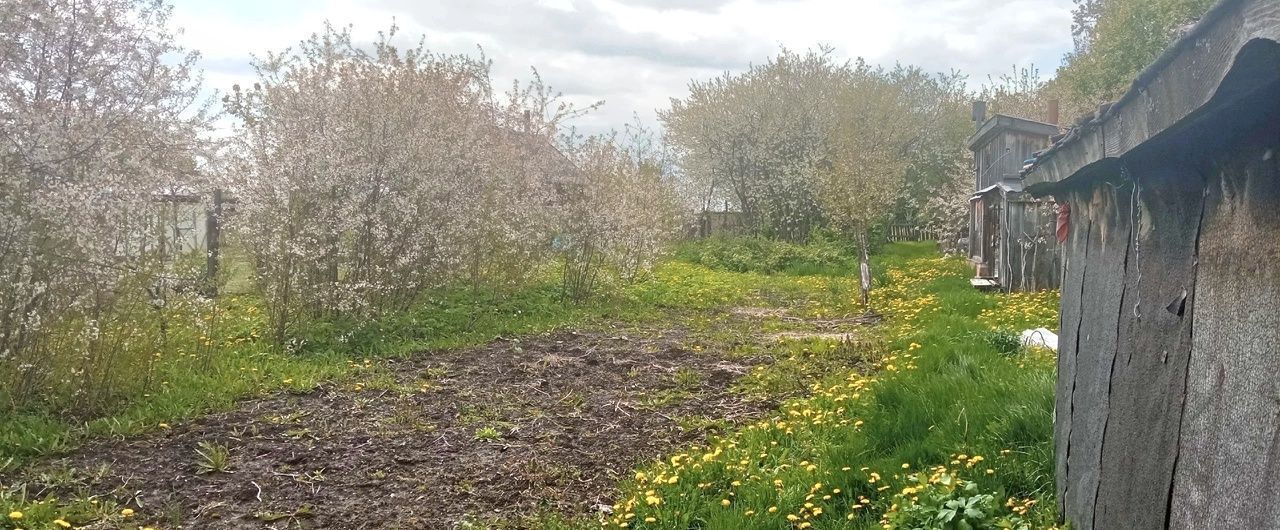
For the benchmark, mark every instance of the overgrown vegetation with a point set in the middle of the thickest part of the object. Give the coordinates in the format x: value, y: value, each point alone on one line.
x: 821, y: 255
x: 947, y: 431
x: 228, y: 355
x: 927, y: 388
x: 367, y: 185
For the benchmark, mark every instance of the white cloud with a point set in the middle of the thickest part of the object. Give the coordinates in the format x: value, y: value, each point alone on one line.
x: 635, y: 54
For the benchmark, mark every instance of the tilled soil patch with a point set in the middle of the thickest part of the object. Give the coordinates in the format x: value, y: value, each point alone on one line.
x: 517, y: 426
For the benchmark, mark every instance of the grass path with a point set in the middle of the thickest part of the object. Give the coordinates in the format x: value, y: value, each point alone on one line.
x: 951, y: 430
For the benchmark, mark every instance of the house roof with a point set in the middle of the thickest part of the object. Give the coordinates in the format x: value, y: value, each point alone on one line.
x: 1225, y: 58
x: 1001, y: 123
x: 550, y: 162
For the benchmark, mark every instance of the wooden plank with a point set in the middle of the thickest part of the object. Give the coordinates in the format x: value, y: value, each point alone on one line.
x: 1076, y: 261
x: 1108, y: 247
x: 1148, y: 378
x: 1229, y: 468
x: 984, y: 284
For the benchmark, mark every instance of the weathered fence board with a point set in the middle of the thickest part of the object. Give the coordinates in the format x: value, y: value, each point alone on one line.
x: 1231, y: 430
x: 1148, y: 377
x: 1106, y: 249
x: 1076, y: 264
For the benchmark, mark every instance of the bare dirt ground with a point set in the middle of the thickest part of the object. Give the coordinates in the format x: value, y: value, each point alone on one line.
x: 513, y: 427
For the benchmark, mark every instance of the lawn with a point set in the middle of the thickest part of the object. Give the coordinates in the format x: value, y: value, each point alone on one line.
x: 954, y: 416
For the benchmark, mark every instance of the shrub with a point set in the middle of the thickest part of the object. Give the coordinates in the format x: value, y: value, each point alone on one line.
x: 618, y: 215
x: 96, y: 135
x: 821, y: 255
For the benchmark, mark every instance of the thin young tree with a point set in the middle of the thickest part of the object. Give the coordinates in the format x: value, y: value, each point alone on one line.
x: 881, y: 117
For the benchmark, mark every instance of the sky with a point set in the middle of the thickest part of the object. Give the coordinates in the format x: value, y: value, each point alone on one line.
x: 634, y: 55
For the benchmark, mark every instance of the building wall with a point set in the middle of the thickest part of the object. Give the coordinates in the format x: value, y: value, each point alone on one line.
x: 1002, y: 157
x: 1168, y: 406
x: 176, y: 228
x: 1029, y: 248
x: 988, y: 168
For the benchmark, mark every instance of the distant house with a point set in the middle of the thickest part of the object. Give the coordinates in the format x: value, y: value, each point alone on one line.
x: 181, y: 224
x: 544, y: 163
x: 1011, y: 241
x: 712, y: 223
x: 1168, y: 399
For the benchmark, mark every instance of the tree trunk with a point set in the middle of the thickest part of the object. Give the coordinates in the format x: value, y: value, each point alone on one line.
x: 864, y: 269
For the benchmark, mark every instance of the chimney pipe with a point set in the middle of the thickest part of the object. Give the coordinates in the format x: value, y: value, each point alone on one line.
x: 1053, y: 112
x: 979, y: 112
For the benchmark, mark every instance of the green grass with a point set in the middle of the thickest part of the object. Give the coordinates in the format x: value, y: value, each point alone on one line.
x: 860, y: 451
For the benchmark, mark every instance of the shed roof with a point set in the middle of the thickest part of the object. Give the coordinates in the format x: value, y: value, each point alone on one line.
x: 1008, y: 186
x: 1001, y: 123
x: 1217, y: 64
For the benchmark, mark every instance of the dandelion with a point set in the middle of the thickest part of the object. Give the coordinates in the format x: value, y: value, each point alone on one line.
x: 15, y: 515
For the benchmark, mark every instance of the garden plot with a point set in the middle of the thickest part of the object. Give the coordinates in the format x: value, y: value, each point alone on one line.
x: 511, y: 428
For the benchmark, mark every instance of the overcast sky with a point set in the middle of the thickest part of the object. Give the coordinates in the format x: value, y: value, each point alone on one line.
x: 636, y: 54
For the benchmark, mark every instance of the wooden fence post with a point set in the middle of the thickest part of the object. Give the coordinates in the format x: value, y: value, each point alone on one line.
x: 213, y: 244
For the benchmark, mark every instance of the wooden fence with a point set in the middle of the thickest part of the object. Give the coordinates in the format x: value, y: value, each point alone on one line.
x: 897, y: 233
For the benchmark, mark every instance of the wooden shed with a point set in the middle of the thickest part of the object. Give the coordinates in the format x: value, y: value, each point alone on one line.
x: 1011, y: 242
x: 1168, y: 399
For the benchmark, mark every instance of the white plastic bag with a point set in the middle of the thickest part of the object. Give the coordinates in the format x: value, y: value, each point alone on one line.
x: 1040, y: 337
